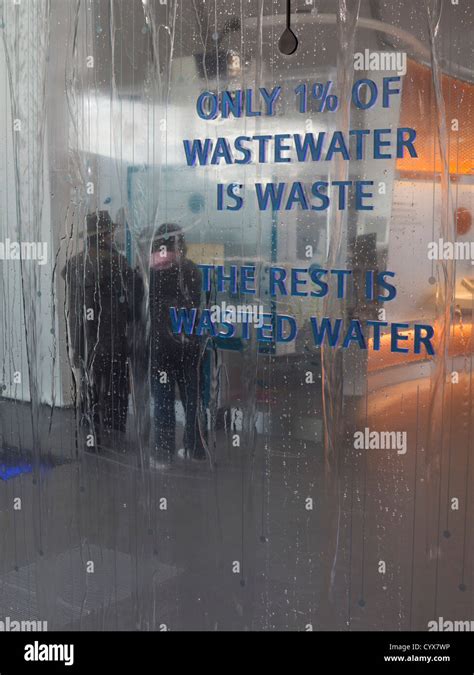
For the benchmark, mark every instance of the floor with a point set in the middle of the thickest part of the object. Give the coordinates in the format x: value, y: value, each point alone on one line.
x: 262, y: 537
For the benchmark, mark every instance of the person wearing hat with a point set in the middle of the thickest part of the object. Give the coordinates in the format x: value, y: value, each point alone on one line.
x: 175, y: 281
x: 103, y: 300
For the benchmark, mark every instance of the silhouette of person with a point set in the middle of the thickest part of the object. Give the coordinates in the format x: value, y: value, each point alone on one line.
x: 103, y: 299
x: 175, y: 281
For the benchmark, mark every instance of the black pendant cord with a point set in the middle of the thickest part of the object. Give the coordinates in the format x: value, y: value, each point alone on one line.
x: 288, y: 42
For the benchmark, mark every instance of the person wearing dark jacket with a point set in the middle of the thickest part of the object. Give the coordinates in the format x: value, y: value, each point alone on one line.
x: 103, y: 300
x: 175, y: 281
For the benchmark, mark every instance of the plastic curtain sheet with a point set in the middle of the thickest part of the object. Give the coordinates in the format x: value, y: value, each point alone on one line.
x: 163, y: 160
